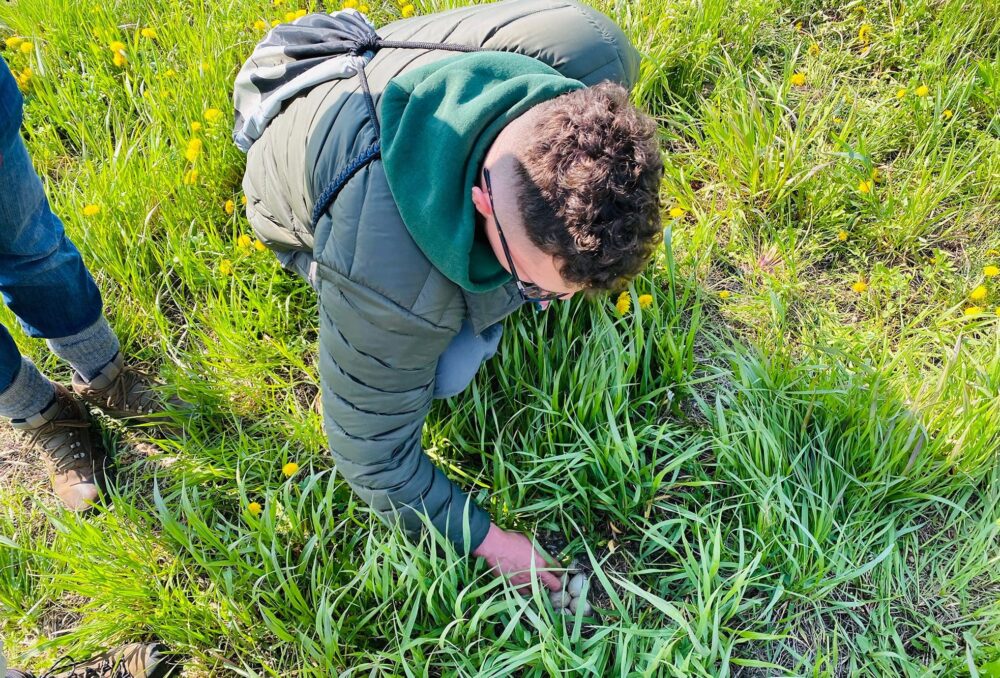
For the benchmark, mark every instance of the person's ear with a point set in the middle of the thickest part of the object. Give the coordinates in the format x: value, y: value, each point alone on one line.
x: 481, y: 201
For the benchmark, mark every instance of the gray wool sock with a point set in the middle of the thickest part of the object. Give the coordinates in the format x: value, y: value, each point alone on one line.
x: 28, y: 395
x: 88, y: 350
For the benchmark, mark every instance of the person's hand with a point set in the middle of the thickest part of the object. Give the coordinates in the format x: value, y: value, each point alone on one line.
x: 510, y: 554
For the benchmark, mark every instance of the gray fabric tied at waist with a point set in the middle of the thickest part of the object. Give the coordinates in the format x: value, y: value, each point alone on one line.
x: 299, y: 55
x: 292, y: 58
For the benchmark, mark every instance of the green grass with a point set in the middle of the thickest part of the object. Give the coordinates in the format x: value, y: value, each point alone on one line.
x: 789, y: 478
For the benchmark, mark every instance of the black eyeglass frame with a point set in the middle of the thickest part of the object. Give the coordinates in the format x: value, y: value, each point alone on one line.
x: 529, y: 291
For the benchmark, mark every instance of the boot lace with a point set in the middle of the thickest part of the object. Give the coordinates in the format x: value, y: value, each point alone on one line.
x: 104, y: 668
x: 131, y: 392
x: 64, y: 457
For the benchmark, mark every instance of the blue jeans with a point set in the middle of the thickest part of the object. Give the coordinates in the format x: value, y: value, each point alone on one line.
x: 460, y: 361
x: 42, y: 278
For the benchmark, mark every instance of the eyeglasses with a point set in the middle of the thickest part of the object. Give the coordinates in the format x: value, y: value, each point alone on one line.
x: 529, y: 291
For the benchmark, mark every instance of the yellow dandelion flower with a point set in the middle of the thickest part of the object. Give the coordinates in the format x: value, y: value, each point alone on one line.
x: 993, y: 253
x: 798, y: 25
x: 229, y: 207
x: 947, y: 113
x: 259, y: 246
x: 798, y: 79
x: 991, y: 271
x: 226, y: 267
x: 876, y: 176
x: 276, y: 22
x: 91, y: 210
x: 290, y: 469
x: 23, y: 78
x: 350, y: 4
x: 676, y: 212
x: 973, y: 310
x: 978, y: 294
x: 191, y: 177
x: 860, y: 286
x: 193, y: 150
x: 243, y: 200
x: 724, y: 294
x: 364, y: 9
x: 289, y: 17
x: 278, y: 3
x: 116, y: 46
x: 922, y: 91
x: 13, y: 42
x: 254, y: 508
x: 26, y: 47
x: 842, y: 236
x: 838, y: 121
x: 260, y: 25
x: 624, y: 303
x: 408, y: 11
x: 119, y: 59
x: 813, y: 49
x: 244, y: 242
x: 213, y: 115
x: 149, y: 33
x: 299, y: 13
x: 865, y: 187
x: 901, y: 92
x: 645, y: 301
x: 865, y: 34
x: 169, y: 73
x: 196, y: 126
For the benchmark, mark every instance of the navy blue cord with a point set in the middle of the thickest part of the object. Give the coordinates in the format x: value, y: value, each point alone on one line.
x: 329, y: 194
x: 372, y: 43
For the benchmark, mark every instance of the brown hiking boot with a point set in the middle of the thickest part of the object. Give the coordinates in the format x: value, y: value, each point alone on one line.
x: 61, y: 432
x: 123, y: 392
x: 135, y: 660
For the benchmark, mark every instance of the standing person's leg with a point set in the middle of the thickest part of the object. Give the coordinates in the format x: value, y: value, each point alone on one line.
x: 42, y: 276
x: 23, y: 389
x: 44, y: 282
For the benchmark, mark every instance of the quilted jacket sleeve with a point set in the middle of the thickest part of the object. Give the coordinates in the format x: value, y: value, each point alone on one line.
x: 378, y: 362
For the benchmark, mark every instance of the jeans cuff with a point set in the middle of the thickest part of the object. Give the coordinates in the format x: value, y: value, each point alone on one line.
x: 28, y: 394
x: 90, y: 350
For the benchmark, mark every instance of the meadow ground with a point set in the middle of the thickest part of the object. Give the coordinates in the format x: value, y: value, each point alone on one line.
x: 783, y: 461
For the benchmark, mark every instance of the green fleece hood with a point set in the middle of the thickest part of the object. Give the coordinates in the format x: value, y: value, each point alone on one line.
x: 438, y: 122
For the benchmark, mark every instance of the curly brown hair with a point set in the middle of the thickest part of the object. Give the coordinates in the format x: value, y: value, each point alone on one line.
x: 589, y: 186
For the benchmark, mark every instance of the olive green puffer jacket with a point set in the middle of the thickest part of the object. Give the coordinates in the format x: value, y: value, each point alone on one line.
x: 386, y: 314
